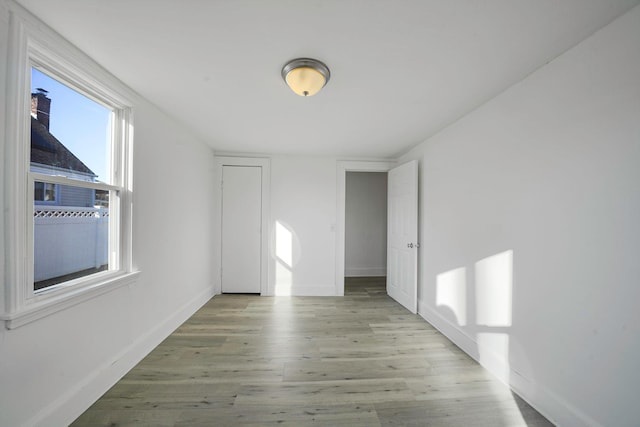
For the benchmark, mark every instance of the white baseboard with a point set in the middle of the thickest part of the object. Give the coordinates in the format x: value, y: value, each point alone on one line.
x: 553, y: 407
x: 70, y: 405
x: 456, y: 335
x: 365, y: 271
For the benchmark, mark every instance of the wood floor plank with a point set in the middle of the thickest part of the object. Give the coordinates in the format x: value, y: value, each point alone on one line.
x: 325, y: 392
x: 482, y: 411
x: 287, y: 415
x: 357, y: 369
x: 357, y: 360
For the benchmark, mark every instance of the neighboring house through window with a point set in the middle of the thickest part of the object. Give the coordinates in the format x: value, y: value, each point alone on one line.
x: 70, y: 234
x: 51, y: 156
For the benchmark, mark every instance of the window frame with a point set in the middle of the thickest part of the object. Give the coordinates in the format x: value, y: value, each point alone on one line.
x: 32, y: 44
x: 56, y: 195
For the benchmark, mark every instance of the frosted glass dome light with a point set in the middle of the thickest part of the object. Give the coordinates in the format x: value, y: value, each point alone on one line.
x: 305, y: 76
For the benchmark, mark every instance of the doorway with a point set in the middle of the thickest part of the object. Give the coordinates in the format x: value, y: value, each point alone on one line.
x: 365, y: 232
x: 402, y: 237
x: 343, y: 168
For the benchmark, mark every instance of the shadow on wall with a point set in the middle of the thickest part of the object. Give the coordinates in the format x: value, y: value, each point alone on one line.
x: 482, y: 309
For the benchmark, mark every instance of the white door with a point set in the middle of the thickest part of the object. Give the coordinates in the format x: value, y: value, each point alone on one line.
x: 241, y: 228
x: 402, y: 235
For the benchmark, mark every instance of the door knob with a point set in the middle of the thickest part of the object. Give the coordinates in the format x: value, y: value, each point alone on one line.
x: 410, y: 245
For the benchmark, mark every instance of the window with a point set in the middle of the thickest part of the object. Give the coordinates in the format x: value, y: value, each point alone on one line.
x: 44, y: 192
x: 71, y: 141
x: 70, y: 130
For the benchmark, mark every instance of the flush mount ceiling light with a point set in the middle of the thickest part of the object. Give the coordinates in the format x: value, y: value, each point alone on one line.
x: 305, y: 76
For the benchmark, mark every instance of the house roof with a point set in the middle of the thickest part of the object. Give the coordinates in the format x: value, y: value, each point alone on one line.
x: 47, y: 150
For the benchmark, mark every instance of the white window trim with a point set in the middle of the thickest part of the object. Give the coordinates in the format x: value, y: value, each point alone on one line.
x: 32, y: 43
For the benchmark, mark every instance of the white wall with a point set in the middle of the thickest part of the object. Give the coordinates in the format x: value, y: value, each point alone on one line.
x: 301, y: 229
x: 53, y: 368
x: 302, y: 221
x: 530, y: 210
x: 366, y: 224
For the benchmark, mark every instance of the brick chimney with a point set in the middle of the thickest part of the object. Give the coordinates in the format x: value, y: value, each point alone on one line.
x: 41, y: 106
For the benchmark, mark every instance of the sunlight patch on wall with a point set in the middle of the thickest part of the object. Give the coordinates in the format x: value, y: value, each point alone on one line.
x: 284, y: 244
x: 284, y: 260
x: 451, y: 292
x: 284, y: 279
x: 493, y: 349
x: 494, y: 283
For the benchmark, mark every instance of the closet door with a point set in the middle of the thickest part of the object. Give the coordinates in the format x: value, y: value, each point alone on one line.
x: 241, y: 228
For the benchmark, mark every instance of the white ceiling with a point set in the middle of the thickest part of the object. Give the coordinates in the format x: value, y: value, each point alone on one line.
x: 400, y: 70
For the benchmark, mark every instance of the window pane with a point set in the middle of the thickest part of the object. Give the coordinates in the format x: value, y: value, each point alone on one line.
x: 70, y: 133
x: 70, y: 241
x: 101, y: 199
x: 44, y: 192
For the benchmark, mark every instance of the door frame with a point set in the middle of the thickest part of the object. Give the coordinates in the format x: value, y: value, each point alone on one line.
x: 341, y: 179
x: 265, y: 165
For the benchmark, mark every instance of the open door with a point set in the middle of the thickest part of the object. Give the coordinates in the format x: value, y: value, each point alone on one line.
x: 402, y: 235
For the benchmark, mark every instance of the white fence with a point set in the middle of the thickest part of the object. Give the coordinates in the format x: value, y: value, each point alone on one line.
x: 69, y: 239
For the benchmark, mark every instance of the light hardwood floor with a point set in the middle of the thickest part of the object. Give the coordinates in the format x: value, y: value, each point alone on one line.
x: 357, y: 360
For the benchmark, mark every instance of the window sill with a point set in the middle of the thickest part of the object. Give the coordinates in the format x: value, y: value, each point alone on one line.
x: 33, y: 312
